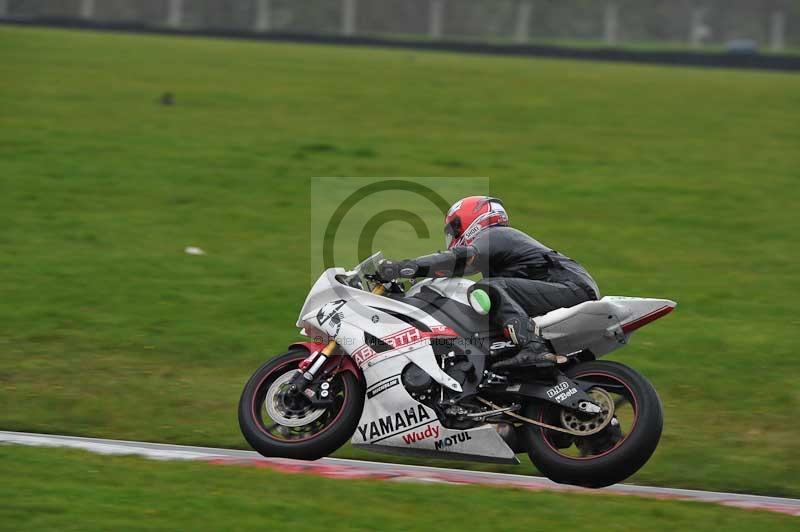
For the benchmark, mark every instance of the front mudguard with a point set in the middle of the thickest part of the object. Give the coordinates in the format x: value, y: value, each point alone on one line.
x: 336, y: 362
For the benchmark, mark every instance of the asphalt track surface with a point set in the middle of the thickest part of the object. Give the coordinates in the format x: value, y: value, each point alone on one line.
x: 339, y: 468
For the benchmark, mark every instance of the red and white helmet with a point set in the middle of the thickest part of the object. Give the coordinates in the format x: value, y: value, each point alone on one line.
x: 469, y: 216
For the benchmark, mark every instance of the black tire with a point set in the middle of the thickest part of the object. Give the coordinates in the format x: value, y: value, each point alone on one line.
x: 342, y: 422
x: 623, y: 458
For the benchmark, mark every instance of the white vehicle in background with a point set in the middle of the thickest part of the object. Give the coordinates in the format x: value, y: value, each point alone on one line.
x: 410, y: 373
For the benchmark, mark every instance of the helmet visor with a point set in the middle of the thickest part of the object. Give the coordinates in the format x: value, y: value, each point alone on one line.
x: 449, y: 235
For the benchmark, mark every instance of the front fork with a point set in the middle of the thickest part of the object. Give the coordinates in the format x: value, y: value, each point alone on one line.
x: 309, y: 369
x: 311, y: 365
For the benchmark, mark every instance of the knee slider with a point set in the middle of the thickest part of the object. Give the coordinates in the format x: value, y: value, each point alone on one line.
x: 479, y: 300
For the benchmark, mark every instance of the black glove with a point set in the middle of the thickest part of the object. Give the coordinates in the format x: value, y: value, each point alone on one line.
x: 390, y: 270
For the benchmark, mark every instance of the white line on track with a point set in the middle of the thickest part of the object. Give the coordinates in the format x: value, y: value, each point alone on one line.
x: 346, y: 468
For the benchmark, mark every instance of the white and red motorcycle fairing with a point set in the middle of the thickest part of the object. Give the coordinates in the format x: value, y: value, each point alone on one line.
x: 395, y: 422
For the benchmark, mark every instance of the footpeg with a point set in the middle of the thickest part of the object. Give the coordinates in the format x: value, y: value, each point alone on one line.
x: 491, y: 378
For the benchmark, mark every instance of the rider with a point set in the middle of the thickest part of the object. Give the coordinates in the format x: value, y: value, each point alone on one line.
x: 521, y: 276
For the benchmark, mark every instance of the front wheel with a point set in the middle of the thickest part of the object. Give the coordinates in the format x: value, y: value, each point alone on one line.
x: 599, y: 458
x: 277, y: 422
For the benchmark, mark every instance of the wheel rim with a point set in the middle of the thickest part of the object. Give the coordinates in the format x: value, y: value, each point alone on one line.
x: 292, y: 418
x: 588, y: 425
x: 287, y: 409
x: 624, y: 414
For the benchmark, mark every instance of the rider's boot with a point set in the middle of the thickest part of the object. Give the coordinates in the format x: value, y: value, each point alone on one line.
x: 534, y: 353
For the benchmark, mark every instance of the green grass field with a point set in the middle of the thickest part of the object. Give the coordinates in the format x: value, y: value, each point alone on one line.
x: 664, y: 182
x: 72, y: 490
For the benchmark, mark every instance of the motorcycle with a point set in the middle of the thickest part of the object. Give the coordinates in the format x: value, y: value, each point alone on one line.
x: 408, y: 371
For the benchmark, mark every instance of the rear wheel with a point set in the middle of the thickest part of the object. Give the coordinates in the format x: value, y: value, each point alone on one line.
x: 278, y: 422
x: 632, y: 420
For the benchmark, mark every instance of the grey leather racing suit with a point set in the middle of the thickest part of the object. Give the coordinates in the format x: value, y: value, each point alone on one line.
x: 522, y: 276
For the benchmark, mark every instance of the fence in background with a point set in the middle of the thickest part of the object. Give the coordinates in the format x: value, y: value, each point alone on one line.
x: 770, y: 24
